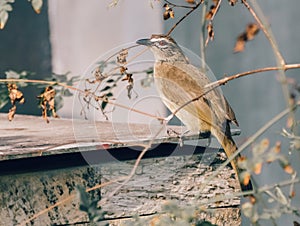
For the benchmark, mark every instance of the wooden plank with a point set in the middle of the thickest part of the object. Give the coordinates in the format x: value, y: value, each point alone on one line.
x: 29, y: 136
x: 41, y: 164
x: 157, y: 180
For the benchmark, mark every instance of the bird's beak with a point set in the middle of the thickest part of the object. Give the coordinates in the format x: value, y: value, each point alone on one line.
x: 145, y: 42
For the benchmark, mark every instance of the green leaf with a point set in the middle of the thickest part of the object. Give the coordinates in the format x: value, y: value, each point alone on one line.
x: 37, y: 5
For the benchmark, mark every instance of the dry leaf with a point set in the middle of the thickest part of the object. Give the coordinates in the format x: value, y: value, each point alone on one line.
x: 48, y: 102
x: 290, y: 121
x: 259, y: 149
x: 128, y: 78
x: 166, y: 15
x: 232, y: 2
x: 12, y: 112
x: 211, y: 12
x: 252, y: 199
x: 171, y: 12
x: 191, y: 1
x: 245, y: 178
x: 288, y: 169
x: 242, y: 162
x: 272, y: 155
x: 154, y: 221
x: 292, y: 194
x: 122, y: 57
x: 15, y: 96
x: 37, y: 5
x: 210, y: 31
x: 277, y: 147
x: 257, y: 168
x: 251, y: 30
x: 123, y: 70
x: 264, y: 144
x: 240, y: 43
x: 168, y: 12
x: 247, y: 209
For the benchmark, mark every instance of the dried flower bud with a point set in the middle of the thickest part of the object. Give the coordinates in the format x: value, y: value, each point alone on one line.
x: 232, y: 2
x: 245, y: 178
x: 15, y: 95
x: 210, y: 31
x: 257, y: 168
x: 122, y: 57
x: 211, y: 12
x: 166, y: 15
x: 251, y: 30
x: 191, y: 1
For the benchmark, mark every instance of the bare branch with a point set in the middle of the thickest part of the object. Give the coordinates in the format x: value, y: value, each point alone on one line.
x: 185, y: 16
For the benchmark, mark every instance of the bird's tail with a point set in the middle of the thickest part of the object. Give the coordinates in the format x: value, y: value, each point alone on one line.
x: 230, y: 147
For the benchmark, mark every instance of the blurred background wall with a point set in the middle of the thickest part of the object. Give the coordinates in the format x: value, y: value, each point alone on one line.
x: 69, y: 35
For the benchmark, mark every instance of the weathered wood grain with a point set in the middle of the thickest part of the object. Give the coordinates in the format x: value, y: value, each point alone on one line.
x: 176, y: 177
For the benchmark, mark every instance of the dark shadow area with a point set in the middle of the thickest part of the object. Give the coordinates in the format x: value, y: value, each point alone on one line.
x: 60, y: 161
x: 25, y: 46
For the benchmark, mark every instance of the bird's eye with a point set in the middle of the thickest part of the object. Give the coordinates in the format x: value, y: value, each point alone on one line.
x: 162, y: 43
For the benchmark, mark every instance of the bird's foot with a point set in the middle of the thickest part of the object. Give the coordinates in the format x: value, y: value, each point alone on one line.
x: 180, y: 136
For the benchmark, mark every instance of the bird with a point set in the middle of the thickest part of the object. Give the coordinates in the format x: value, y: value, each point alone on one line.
x: 178, y: 82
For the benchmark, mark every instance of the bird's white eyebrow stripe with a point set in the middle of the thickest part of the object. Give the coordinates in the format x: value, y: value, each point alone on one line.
x: 157, y: 39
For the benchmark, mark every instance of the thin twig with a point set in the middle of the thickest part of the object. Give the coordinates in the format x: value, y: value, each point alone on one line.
x: 84, y: 93
x: 268, y: 33
x: 179, y: 6
x: 213, y: 85
x: 185, y: 16
x: 216, y: 10
x: 202, y: 36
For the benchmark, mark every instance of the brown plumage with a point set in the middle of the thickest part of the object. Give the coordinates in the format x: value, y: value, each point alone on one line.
x: 178, y: 82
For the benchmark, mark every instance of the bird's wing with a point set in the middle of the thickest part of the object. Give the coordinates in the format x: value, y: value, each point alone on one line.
x: 215, y: 97
x: 176, y: 89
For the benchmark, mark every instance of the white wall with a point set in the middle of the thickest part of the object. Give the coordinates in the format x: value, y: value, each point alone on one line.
x: 81, y: 31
